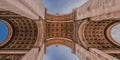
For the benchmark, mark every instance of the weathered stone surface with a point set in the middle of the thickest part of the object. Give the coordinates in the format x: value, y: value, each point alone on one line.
x: 99, y: 10
x: 86, y: 31
x: 28, y: 8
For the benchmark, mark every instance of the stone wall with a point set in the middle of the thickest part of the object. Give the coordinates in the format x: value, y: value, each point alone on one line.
x: 92, y: 54
x: 28, y: 8
x: 99, y: 9
x: 36, y: 53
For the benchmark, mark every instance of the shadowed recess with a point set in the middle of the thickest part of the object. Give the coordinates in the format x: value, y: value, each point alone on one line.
x: 59, y: 53
x: 115, y: 33
x: 3, y: 31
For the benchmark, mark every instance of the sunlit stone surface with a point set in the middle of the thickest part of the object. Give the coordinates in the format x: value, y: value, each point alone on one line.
x: 115, y: 33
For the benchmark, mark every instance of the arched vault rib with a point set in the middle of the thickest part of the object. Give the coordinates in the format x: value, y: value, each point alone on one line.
x: 24, y: 33
x: 93, y: 34
x: 61, y: 41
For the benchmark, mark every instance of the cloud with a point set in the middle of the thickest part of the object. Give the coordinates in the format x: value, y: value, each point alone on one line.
x: 62, y: 6
x: 115, y: 33
x: 72, y: 4
x: 59, y: 53
x: 46, y: 57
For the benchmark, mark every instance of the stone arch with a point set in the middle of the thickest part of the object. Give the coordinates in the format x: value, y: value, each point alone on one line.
x: 24, y: 31
x: 108, y: 32
x: 40, y: 36
x: 60, y: 41
x: 92, y: 34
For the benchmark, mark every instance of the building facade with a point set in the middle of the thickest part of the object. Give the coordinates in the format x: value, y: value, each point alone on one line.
x: 87, y: 30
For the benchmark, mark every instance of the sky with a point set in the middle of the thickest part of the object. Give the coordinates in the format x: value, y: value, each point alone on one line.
x: 62, y: 6
x: 115, y: 33
x: 3, y: 31
x: 59, y: 53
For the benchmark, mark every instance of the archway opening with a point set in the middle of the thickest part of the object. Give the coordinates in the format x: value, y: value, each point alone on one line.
x: 59, y: 52
x: 3, y: 31
x: 115, y: 33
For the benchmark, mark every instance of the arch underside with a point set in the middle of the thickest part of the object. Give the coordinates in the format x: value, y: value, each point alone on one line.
x: 58, y: 25
x: 95, y: 34
x: 24, y: 32
x: 23, y: 38
x: 92, y: 34
x: 54, y: 41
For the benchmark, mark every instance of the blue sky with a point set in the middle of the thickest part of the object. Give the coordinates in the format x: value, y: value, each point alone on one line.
x: 3, y: 31
x: 59, y: 53
x: 62, y: 6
